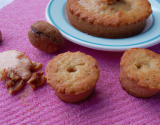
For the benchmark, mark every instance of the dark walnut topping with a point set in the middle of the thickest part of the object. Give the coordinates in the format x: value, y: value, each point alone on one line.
x: 36, y: 66
x: 37, y: 79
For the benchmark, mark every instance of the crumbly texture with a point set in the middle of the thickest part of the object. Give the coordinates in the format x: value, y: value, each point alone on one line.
x: 35, y: 66
x: 110, y: 2
x: 140, y: 69
x: 15, y: 68
x: 37, y: 79
x: 45, y: 37
x: 14, y: 86
x: 123, y: 18
x: 72, y: 75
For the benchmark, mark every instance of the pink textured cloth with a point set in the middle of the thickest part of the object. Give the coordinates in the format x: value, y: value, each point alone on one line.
x: 108, y: 104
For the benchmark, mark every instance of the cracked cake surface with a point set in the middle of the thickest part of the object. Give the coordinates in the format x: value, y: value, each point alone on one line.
x: 143, y: 66
x: 140, y: 69
x: 119, y: 13
x: 72, y: 72
x: 73, y: 76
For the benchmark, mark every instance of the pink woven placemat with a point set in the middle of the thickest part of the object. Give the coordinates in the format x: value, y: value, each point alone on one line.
x: 108, y: 104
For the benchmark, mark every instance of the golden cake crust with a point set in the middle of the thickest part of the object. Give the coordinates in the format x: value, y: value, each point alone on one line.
x: 95, y: 14
x: 72, y: 73
x: 135, y: 11
x: 16, y: 68
x: 140, y: 69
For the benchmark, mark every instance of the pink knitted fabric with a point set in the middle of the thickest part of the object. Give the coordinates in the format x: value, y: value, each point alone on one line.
x: 108, y: 104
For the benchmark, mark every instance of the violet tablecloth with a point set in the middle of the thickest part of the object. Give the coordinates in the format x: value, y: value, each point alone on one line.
x: 108, y: 104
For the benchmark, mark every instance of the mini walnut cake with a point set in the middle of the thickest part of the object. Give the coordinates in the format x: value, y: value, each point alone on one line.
x: 140, y: 69
x: 73, y: 76
x: 109, y: 18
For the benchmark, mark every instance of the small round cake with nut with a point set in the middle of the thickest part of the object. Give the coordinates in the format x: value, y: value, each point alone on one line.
x: 45, y: 37
x: 140, y: 69
x: 109, y: 18
x: 73, y: 76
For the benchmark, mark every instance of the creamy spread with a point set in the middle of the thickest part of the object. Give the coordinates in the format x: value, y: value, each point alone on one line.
x: 15, y: 61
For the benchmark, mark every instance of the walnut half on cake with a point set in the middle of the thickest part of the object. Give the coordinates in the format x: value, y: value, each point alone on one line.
x: 109, y: 18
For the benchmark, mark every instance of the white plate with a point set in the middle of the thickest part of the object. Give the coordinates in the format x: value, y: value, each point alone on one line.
x: 56, y: 15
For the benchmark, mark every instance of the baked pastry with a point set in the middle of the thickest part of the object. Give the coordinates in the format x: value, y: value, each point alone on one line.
x: 73, y: 76
x: 140, y: 69
x: 45, y: 37
x: 15, y: 68
x: 109, y: 18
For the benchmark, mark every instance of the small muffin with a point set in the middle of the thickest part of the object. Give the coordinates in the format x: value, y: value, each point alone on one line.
x: 140, y: 69
x: 109, y: 18
x: 45, y: 37
x: 73, y: 76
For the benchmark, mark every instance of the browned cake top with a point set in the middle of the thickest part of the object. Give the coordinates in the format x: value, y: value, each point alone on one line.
x: 120, y: 13
x: 142, y: 66
x: 72, y: 72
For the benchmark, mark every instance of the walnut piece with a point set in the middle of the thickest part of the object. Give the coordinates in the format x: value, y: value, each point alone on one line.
x: 14, y: 86
x: 36, y: 66
x: 14, y: 82
x: 14, y: 76
x: 37, y: 79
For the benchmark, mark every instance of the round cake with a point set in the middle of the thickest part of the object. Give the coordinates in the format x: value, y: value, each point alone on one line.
x: 109, y: 18
x: 73, y: 75
x: 140, y: 69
